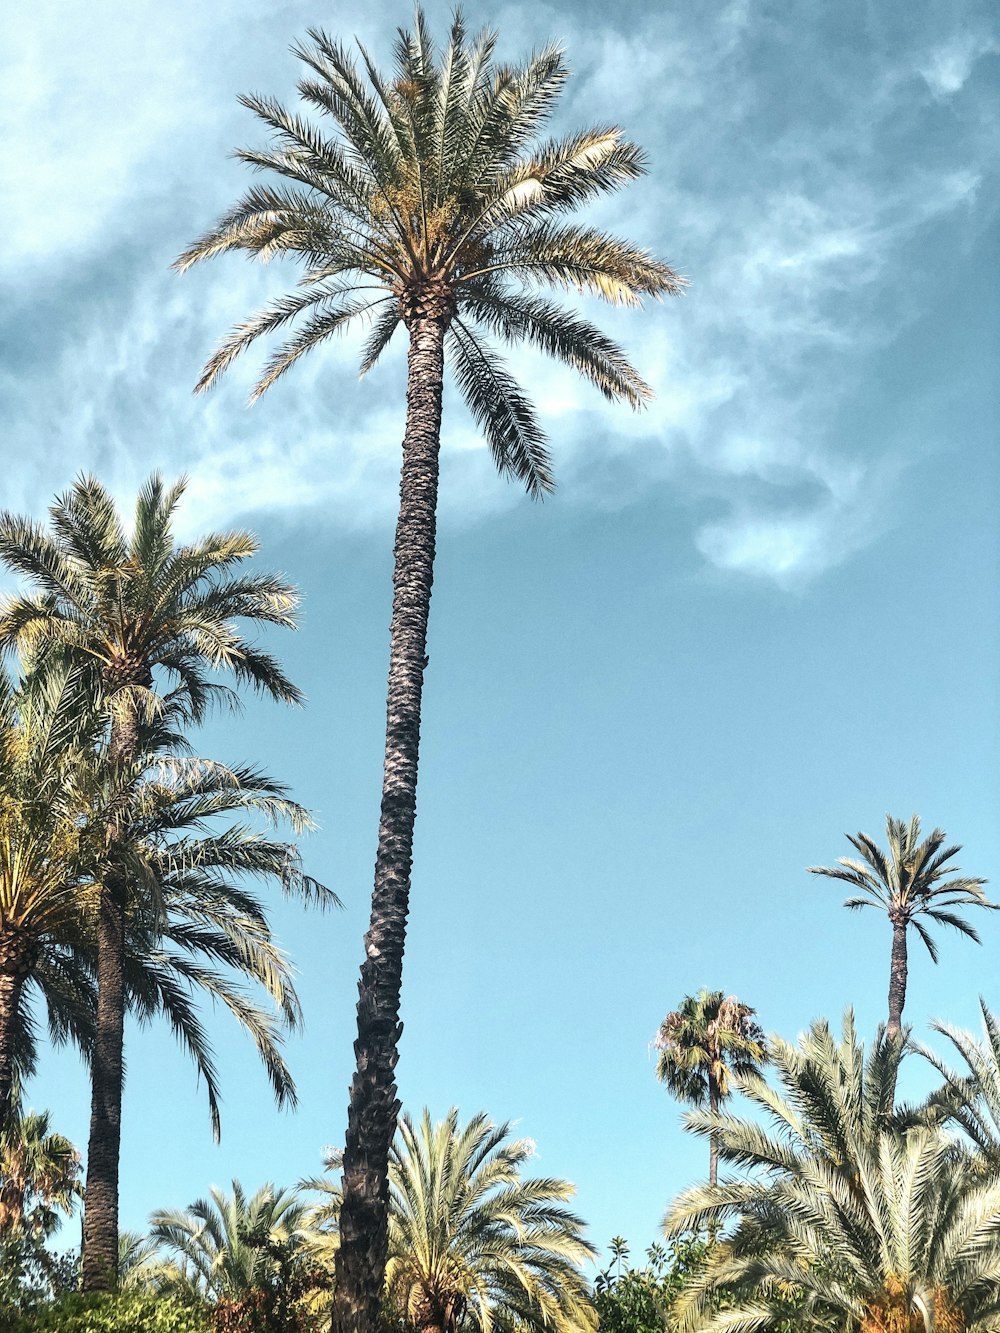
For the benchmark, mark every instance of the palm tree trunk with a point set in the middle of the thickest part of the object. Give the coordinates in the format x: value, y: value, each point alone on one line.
x: 15, y: 965
x: 99, y: 1268
x: 100, y: 1221
x: 360, y: 1262
x: 897, y: 978
x: 713, y: 1139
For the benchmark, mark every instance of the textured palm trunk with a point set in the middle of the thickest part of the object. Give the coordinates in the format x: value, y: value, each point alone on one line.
x: 361, y: 1256
x: 16, y: 958
x: 100, y: 1222
x: 99, y: 1270
x: 897, y: 978
x: 713, y: 1138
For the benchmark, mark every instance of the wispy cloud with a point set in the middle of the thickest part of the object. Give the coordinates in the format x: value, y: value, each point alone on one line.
x: 792, y: 214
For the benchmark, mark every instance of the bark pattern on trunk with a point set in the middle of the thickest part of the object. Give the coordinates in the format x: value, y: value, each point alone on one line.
x: 99, y: 1268
x: 17, y: 957
x: 897, y: 977
x: 713, y: 1138
x: 100, y: 1221
x: 361, y: 1256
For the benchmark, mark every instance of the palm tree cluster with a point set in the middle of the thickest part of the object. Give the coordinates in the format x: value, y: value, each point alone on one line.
x: 851, y: 1211
x: 127, y: 866
x: 132, y: 871
x: 474, y: 1245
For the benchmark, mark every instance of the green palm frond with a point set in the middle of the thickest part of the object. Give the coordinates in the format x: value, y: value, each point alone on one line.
x: 508, y: 420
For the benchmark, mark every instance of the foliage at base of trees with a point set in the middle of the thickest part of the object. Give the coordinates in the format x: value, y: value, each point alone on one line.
x: 109, y: 1312
x: 639, y: 1300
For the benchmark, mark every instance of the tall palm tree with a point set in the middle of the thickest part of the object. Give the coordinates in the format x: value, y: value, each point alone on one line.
x: 913, y: 879
x: 702, y: 1044
x: 129, y: 608
x: 846, y: 1220
x: 473, y: 1244
x: 433, y: 205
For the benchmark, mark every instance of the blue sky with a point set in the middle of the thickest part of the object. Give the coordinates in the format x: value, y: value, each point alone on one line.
x: 759, y: 614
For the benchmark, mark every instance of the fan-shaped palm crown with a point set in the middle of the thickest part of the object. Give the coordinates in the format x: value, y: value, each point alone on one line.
x: 39, y: 1173
x: 914, y: 879
x: 847, y: 1220
x: 435, y: 199
x: 701, y: 1043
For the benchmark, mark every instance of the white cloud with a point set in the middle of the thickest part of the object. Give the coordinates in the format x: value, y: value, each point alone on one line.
x: 947, y: 67
x: 790, y: 227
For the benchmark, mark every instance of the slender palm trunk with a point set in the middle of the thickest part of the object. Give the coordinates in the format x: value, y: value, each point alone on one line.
x: 713, y: 1138
x: 360, y: 1262
x: 100, y: 1222
x: 100, y: 1218
x: 897, y: 978
x: 16, y: 958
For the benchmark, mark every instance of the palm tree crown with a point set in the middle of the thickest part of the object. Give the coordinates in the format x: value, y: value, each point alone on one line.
x: 47, y: 883
x: 215, y: 1247
x: 702, y: 1044
x: 847, y: 1219
x: 913, y: 880
x: 473, y: 1244
x: 435, y: 197
x: 132, y: 604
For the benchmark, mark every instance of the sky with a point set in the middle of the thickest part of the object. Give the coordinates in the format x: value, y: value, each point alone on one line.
x: 754, y: 617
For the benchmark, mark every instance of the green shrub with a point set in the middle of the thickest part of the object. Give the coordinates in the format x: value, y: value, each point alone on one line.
x: 114, y: 1312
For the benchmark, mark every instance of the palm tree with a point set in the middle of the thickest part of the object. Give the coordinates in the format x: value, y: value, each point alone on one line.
x: 198, y: 927
x: 847, y: 1219
x: 213, y: 1245
x: 701, y: 1045
x: 912, y: 880
x: 39, y: 1173
x: 127, y: 607
x: 473, y: 1245
x: 46, y: 741
x: 433, y: 205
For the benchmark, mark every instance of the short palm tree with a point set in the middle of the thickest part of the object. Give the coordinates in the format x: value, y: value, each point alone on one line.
x: 473, y: 1245
x: 39, y: 1173
x: 701, y: 1045
x: 128, y: 608
x: 847, y: 1220
x: 913, y: 879
x: 432, y: 205
x: 218, y: 1249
